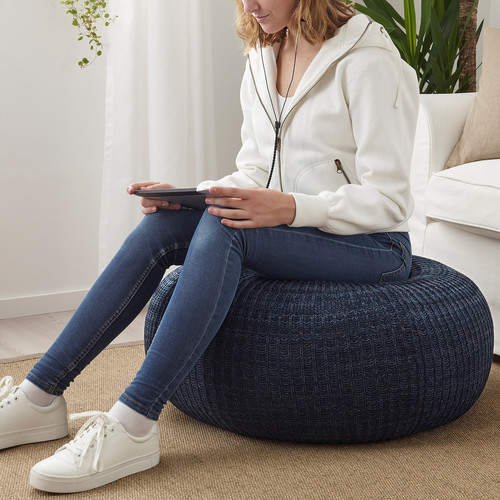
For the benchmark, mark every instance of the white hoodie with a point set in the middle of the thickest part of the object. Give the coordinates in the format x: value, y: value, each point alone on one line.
x: 346, y: 138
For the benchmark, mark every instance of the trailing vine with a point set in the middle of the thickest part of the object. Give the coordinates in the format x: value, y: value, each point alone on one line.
x: 89, y: 16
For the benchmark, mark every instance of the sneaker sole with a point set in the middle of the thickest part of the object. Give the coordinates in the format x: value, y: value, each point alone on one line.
x: 54, y: 484
x: 36, y: 435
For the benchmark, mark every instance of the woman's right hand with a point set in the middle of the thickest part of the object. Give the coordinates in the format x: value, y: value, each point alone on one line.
x: 150, y: 206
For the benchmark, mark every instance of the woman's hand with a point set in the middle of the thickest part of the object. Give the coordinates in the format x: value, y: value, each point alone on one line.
x: 150, y: 206
x: 254, y: 207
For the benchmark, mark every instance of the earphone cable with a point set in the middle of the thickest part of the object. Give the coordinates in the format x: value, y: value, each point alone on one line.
x: 277, y: 120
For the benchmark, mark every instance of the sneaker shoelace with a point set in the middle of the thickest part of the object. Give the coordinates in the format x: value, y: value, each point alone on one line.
x: 6, y: 386
x: 91, y: 435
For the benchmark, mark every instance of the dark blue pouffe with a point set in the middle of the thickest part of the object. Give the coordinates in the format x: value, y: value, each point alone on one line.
x: 343, y: 363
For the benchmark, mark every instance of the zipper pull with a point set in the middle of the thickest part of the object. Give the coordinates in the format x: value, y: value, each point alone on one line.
x: 340, y: 169
x: 338, y: 164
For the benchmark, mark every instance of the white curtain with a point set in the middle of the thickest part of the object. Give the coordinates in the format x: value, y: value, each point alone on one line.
x: 159, y: 106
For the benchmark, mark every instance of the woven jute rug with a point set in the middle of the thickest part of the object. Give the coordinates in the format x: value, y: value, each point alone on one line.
x: 458, y: 461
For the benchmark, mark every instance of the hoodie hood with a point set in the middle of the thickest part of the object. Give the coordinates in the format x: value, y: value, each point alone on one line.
x: 358, y: 32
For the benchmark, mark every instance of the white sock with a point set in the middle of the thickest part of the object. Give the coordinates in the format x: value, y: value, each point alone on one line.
x: 36, y: 395
x: 133, y: 422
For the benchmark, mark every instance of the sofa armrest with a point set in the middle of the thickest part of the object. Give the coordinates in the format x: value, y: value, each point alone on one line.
x: 440, y: 123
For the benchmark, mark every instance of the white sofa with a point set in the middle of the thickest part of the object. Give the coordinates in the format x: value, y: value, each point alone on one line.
x: 457, y: 211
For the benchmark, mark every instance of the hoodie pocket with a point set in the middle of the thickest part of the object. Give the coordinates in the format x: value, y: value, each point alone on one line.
x: 327, y: 175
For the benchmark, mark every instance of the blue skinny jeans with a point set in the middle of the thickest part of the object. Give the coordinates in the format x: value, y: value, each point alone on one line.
x: 213, y: 256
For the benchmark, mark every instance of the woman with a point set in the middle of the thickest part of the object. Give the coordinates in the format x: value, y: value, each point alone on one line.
x: 321, y: 193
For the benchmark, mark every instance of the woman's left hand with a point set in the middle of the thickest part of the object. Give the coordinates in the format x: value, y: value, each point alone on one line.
x: 253, y: 207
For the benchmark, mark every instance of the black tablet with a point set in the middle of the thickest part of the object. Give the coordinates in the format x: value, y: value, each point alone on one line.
x: 187, y: 197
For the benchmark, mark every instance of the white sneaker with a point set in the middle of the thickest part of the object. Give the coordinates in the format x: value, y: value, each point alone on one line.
x: 22, y: 422
x: 101, y: 452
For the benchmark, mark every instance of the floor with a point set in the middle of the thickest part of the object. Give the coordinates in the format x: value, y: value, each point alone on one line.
x: 30, y: 336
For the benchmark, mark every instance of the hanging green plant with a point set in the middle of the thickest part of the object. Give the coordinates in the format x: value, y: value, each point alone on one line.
x: 89, y: 16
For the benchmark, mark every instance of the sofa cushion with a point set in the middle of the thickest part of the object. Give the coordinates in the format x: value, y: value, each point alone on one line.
x: 467, y: 195
x: 480, y: 138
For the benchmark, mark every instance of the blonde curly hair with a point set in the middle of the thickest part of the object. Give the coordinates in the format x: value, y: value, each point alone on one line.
x: 316, y: 21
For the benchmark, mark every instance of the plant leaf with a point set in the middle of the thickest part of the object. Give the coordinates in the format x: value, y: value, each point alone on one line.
x: 411, y: 27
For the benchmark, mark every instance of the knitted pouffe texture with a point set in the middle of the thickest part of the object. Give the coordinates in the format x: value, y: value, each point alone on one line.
x: 336, y: 362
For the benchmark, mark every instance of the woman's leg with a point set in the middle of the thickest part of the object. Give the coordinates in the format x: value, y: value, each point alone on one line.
x: 31, y: 412
x: 104, y: 450
x: 117, y: 297
x: 210, y: 276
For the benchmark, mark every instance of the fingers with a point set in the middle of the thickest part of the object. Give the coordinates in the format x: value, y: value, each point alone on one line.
x: 150, y: 206
x: 159, y: 205
x: 234, y: 192
x: 225, y: 202
x: 232, y: 205
x: 232, y: 213
x: 136, y: 186
x: 239, y: 224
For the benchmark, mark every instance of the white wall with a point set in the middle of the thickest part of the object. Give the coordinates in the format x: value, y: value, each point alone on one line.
x: 51, y: 142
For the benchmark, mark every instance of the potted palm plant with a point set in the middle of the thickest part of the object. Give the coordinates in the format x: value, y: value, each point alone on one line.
x: 442, y: 49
